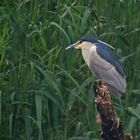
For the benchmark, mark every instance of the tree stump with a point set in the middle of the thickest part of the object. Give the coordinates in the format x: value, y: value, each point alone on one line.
x: 112, y: 128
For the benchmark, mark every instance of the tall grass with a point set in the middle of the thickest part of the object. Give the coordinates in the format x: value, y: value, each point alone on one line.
x: 45, y: 91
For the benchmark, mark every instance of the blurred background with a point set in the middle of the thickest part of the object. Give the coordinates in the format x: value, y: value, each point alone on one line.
x: 46, y: 91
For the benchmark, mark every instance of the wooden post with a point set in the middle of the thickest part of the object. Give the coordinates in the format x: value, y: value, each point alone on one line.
x: 112, y: 128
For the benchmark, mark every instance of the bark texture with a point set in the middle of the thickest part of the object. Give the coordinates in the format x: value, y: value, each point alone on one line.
x: 112, y: 127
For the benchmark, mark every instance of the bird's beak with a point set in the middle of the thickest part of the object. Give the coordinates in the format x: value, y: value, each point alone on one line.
x: 71, y: 46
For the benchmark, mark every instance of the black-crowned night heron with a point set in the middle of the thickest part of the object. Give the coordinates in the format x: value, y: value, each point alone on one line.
x: 103, y: 62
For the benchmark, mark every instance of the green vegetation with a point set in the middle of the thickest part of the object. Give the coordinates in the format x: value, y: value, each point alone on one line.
x: 45, y: 91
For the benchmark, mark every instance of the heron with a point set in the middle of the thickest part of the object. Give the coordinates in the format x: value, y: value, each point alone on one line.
x: 101, y: 59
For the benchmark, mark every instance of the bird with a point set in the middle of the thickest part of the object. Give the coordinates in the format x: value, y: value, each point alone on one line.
x: 103, y: 61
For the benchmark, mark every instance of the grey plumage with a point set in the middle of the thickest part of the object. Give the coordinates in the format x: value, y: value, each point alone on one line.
x: 103, y: 69
x: 103, y: 62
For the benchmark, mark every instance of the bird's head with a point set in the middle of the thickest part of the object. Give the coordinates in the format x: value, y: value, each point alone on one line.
x: 81, y: 42
x: 86, y: 41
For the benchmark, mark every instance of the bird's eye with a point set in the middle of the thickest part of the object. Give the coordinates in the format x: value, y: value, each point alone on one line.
x: 80, y: 41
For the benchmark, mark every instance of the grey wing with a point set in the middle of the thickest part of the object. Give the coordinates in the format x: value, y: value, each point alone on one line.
x: 106, y: 53
x: 107, y: 73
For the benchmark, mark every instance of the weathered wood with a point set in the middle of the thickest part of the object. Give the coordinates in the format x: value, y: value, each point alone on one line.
x: 112, y: 128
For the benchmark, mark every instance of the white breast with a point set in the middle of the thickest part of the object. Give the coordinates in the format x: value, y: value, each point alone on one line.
x: 88, y: 51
